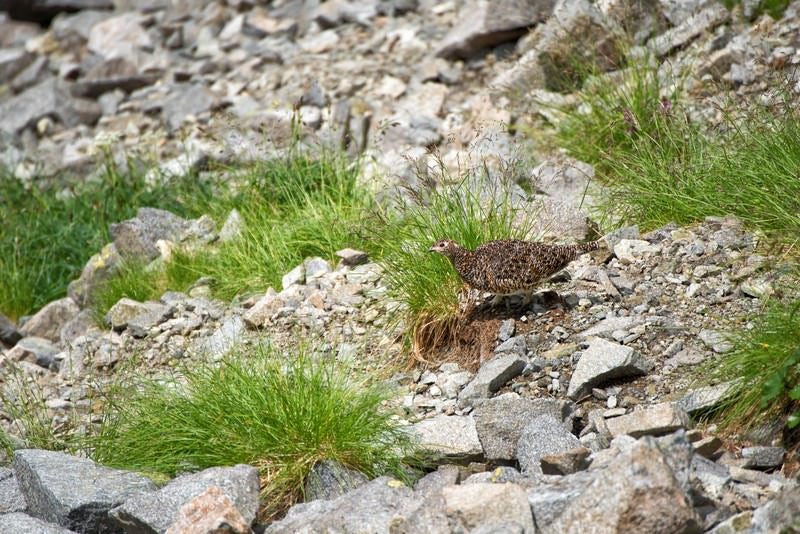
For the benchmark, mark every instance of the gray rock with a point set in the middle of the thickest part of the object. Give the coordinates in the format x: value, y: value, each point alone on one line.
x: 13, y: 61
x: 123, y: 311
x: 448, y: 435
x: 156, y: 511
x: 80, y: 325
x: 543, y: 435
x: 779, y: 515
x: 352, y: 257
x: 549, y: 497
x: 712, y: 478
x: 99, y: 267
x: 141, y: 324
x: 491, y: 377
x: 705, y: 20
x: 715, y: 340
x: 9, y: 335
x: 653, y: 420
x: 506, y: 330
x: 445, y: 475
x: 646, y: 498
x: 632, y: 250
x: 703, y: 398
x: 500, y: 421
x: 763, y: 457
x: 486, y: 507
x: 11, y: 498
x: 48, y: 98
x: 329, y: 480
x: 610, y: 324
x: 263, y: 310
x: 49, y: 321
x: 516, y: 345
x: 224, y: 338
x: 115, y: 73
x: 34, y: 350
x: 233, y: 227
x: 119, y: 36
x: 378, y: 506
x: 316, y: 267
x: 567, y: 462
x: 604, y: 361
x: 73, y: 492
x: 293, y: 277
x: 18, y: 522
x: 186, y: 100
x: 135, y: 239
x: 211, y: 511
x: 484, y: 25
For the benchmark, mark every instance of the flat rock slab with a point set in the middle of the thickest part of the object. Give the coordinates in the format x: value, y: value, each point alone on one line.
x: 604, y: 361
x: 136, y: 238
x: 491, y: 377
x: 763, y: 457
x: 73, y: 492
x: 488, y: 507
x: 543, y: 435
x: 501, y: 420
x: 18, y: 522
x: 654, y: 420
x: 636, y: 492
x: 449, y: 435
x: 156, y: 511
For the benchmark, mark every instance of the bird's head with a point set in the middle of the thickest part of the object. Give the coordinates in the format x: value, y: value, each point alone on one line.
x: 445, y: 247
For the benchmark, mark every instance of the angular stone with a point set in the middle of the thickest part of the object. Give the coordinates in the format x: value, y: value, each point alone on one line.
x: 13, y: 61
x: 491, y: 377
x: 73, y: 492
x: 501, y: 420
x: 780, y: 514
x: 293, y: 277
x: 610, y: 324
x: 9, y: 335
x: 604, y: 361
x: 654, y: 420
x: 155, y: 314
x: 448, y: 434
x: 646, y: 498
x: 381, y: 505
x: 489, y: 24
x: 351, y: 257
x: 567, y: 462
x: 34, y: 350
x: 48, y: 98
x: 135, y: 239
x: 703, y: 398
x: 233, y: 227
x: 18, y: 522
x: 123, y: 311
x: 211, y: 511
x: 486, y: 507
x: 82, y: 324
x: 632, y: 250
x: 11, y: 498
x: 715, y: 340
x: 115, y: 73
x: 156, y: 511
x: 223, y: 339
x: 263, y: 310
x: 119, y: 36
x: 445, y: 475
x: 763, y: 457
x: 329, y: 480
x: 543, y: 435
x: 316, y: 267
x: 184, y: 101
x: 99, y: 267
x: 49, y: 321
x: 705, y: 20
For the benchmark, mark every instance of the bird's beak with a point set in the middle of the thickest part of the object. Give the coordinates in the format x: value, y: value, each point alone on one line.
x: 431, y: 249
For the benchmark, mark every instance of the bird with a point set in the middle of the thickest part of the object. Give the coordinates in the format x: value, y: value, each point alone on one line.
x: 510, y: 266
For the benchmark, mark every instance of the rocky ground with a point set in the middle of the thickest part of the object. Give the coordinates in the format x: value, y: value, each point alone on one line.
x: 572, y: 414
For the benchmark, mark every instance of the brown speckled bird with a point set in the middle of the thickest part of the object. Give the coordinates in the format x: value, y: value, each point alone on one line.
x: 510, y: 266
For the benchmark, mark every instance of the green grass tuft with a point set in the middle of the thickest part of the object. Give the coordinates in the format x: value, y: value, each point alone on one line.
x: 763, y: 370
x: 426, y: 284
x: 50, y: 232
x: 131, y: 280
x: 280, y: 413
x: 293, y: 208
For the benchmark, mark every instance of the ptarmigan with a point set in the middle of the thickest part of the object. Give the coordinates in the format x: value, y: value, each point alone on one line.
x: 510, y: 266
